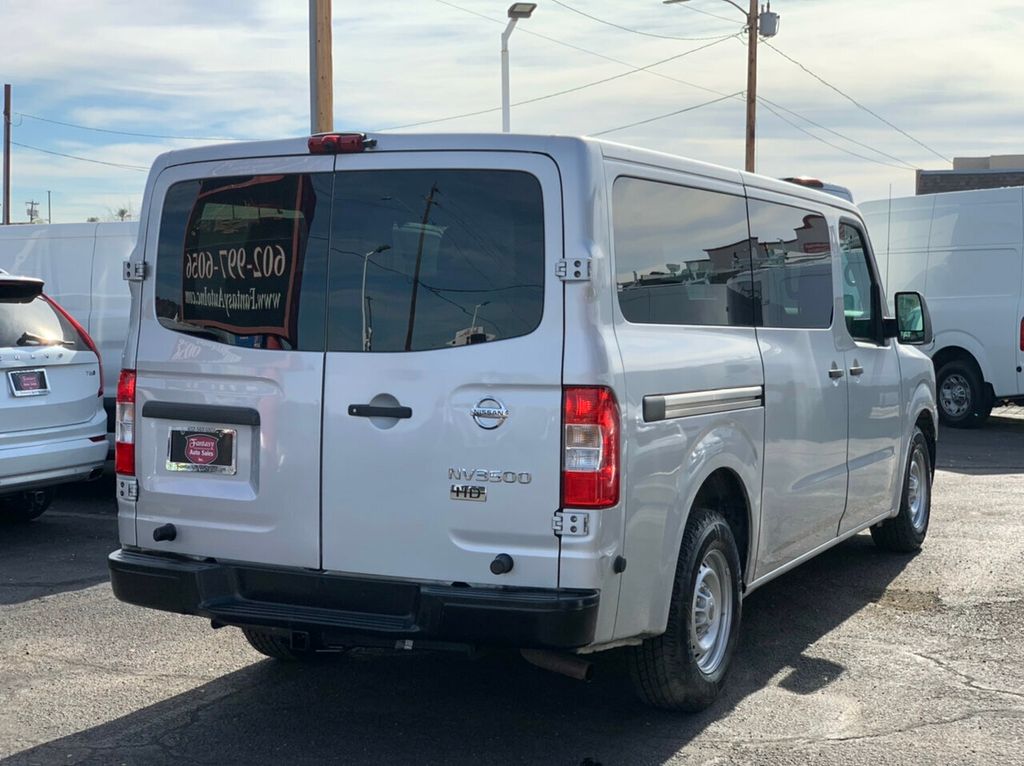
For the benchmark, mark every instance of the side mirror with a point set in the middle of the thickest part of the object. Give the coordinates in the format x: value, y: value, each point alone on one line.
x: 913, y: 323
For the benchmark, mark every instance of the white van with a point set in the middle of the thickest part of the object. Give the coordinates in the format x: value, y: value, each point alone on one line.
x: 550, y: 393
x: 965, y: 252
x: 82, y: 266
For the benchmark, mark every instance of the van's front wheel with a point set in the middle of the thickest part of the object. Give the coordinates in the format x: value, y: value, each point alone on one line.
x: 684, y: 668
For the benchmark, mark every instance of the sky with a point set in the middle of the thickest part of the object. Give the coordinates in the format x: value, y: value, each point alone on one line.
x: 911, y: 83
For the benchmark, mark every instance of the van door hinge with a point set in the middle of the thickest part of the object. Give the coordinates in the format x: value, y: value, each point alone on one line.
x: 134, y: 271
x: 128, y: 489
x: 571, y: 523
x: 573, y: 269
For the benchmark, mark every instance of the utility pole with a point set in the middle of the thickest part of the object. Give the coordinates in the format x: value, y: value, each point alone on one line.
x: 751, y: 84
x: 321, y: 68
x: 31, y: 210
x: 49, y: 210
x: 7, y: 154
x: 416, y: 271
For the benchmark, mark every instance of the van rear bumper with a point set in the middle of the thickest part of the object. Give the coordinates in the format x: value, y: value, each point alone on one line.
x: 342, y: 609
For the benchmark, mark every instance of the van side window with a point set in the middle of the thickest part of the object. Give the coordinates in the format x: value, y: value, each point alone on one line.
x: 858, y: 295
x: 242, y: 260
x: 792, y: 262
x: 434, y: 259
x: 682, y: 255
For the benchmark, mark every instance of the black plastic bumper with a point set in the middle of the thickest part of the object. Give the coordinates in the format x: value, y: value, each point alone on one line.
x: 336, y: 609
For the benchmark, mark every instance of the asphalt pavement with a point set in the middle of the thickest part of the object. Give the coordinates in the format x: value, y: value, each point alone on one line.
x: 856, y: 657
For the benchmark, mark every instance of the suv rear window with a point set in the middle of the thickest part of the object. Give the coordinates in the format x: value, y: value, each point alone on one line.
x: 35, y: 323
x: 431, y: 259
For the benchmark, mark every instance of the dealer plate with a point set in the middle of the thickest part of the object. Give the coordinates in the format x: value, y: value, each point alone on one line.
x: 202, y: 450
x: 28, y: 382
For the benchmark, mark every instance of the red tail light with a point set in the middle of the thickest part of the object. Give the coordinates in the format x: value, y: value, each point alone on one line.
x: 590, y: 460
x: 1022, y: 334
x: 124, y: 425
x: 340, y: 143
x: 86, y: 338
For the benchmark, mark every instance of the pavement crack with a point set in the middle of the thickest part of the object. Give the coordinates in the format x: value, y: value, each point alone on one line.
x: 967, y: 679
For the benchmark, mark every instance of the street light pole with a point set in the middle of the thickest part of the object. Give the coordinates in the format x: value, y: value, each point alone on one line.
x: 753, y: 29
x: 516, y: 11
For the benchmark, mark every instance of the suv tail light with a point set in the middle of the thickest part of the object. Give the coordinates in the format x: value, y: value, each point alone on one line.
x: 590, y: 461
x: 86, y: 338
x: 124, y: 425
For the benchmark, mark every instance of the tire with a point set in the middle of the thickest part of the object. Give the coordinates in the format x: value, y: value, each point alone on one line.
x: 963, y: 398
x: 276, y: 646
x: 26, y: 506
x: 905, y: 532
x: 669, y: 671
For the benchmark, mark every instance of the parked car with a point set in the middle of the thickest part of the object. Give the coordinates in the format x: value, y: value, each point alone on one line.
x: 544, y: 392
x: 52, y: 424
x: 965, y: 252
x: 82, y: 265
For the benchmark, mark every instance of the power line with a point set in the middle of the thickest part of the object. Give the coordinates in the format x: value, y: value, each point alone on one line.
x: 567, y: 90
x: 626, y: 29
x: 83, y: 159
x: 767, y: 103
x: 706, y: 13
x: 663, y: 76
x: 556, y: 41
x: 856, y: 103
x: 128, y: 133
x: 669, y: 114
x: 903, y: 166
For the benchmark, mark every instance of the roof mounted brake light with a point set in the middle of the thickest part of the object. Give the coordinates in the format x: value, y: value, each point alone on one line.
x: 340, y: 143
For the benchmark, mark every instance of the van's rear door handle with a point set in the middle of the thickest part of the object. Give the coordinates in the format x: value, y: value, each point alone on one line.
x: 370, y: 411
x: 857, y: 370
x: 835, y: 373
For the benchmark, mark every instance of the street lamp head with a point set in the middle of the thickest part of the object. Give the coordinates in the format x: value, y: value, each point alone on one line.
x: 521, y: 10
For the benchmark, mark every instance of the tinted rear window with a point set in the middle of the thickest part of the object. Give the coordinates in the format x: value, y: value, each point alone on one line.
x: 242, y: 260
x: 432, y: 259
x: 34, y: 324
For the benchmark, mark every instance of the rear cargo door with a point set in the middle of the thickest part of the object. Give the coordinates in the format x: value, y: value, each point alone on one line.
x: 442, y: 391
x: 230, y: 360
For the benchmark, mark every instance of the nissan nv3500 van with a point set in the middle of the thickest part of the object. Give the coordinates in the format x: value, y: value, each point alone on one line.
x: 542, y: 392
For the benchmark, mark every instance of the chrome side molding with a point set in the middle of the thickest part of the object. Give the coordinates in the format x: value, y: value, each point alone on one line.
x: 668, y: 406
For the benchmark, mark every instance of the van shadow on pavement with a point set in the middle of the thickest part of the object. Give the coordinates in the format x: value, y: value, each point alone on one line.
x: 59, y: 551
x: 445, y: 709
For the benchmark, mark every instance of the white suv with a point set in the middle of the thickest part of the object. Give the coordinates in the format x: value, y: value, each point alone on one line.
x: 549, y: 393
x: 52, y: 424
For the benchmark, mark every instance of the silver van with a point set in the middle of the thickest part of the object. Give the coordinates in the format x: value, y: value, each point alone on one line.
x: 542, y: 392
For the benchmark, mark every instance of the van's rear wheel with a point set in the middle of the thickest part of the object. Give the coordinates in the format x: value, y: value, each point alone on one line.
x: 964, y: 401
x: 26, y: 506
x: 685, y: 667
x: 276, y: 646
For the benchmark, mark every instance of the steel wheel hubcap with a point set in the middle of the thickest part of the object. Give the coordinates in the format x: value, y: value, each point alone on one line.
x: 711, y: 618
x: 955, y: 395
x: 917, y: 489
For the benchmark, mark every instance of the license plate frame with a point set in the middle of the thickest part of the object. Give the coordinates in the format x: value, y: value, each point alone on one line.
x: 16, y: 379
x: 189, y: 450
